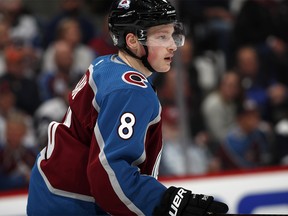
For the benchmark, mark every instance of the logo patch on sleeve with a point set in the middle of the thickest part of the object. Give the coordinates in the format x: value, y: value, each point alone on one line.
x: 134, y: 78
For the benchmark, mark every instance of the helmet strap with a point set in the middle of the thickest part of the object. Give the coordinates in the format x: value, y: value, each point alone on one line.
x: 131, y: 53
x: 144, y: 58
x: 145, y: 62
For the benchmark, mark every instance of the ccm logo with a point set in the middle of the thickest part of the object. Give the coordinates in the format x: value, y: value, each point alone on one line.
x: 176, y: 202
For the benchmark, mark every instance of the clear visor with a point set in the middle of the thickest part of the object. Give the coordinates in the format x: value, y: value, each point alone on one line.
x: 164, y: 35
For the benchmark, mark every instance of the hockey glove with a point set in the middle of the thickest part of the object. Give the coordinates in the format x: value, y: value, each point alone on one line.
x: 182, y: 202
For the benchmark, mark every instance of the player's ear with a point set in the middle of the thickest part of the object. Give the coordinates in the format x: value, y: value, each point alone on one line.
x: 131, y: 41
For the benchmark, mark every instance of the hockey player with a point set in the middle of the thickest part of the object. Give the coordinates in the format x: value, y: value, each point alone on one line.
x: 103, y: 158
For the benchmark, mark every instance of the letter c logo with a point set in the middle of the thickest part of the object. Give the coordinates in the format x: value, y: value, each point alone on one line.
x: 135, y: 78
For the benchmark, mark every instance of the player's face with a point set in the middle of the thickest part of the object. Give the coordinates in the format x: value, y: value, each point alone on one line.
x: 161, y: 46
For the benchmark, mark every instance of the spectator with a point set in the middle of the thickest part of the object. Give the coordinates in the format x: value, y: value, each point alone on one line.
x: 255, y: 79
x: 188, y: 158
x: 167, y: 86
x: 174, y: 138
x: 7, y: 106
x: 24, y: 31
x: 253, y: 24
x: 102, y: 44
x: 170, y: 90
x: 5, y: 40
x: 16, y: 160
x: 53, y: 109
x: 281, y: 142
x: 273, y: 56
x: 247, y: 144
x: 280, y: 21
x: 275, y: 59
x: 69, y: 9
x: 99, y: 7
x: 24, y: 88
x: 54, y: 89
x: 277, y: 103
x: 219, y: 107
x: 261, y: 86
x: 56, y: 82
x: 69, y: 31
x: 195, y: 93
x: 211, y: 23
x: 23, y: 26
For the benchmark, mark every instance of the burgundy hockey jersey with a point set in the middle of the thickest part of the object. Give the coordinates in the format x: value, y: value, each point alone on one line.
x: 108, y: 147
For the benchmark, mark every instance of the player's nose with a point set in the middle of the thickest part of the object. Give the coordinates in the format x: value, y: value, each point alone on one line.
x: 172, y: 45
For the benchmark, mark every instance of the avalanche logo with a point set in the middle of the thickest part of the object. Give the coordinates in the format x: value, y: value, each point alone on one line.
x: 134, y: 78
x: 124, y: 4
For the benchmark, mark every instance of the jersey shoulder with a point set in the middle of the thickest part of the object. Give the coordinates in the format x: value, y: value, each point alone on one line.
x: 110, y: 73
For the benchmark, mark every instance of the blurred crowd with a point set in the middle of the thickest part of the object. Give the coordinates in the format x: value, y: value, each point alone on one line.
x: 235, y: 69
x: 232, y: 76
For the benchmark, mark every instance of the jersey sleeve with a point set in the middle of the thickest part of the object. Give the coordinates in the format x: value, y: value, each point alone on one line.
x: 117, y: 148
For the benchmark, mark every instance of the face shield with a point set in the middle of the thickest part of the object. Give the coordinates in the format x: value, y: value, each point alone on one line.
x: 163, y: 35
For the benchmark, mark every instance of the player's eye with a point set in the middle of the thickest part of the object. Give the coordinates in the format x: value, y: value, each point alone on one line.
x: 163, y: 37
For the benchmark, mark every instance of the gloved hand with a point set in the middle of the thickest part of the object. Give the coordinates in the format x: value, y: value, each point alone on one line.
x: 182, y: 202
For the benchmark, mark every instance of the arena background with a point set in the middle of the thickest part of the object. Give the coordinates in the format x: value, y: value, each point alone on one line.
x: 257, y: 191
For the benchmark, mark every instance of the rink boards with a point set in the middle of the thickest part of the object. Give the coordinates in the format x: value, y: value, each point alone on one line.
x: 262, y: 191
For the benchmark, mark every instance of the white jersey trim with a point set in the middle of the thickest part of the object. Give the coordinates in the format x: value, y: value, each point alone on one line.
x: 49, y: 186
x: 142, y: 158
x: 93, y: 86
x: 112, y: 176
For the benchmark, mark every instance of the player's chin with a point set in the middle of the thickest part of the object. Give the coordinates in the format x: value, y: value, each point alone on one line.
x: 165, y: 68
